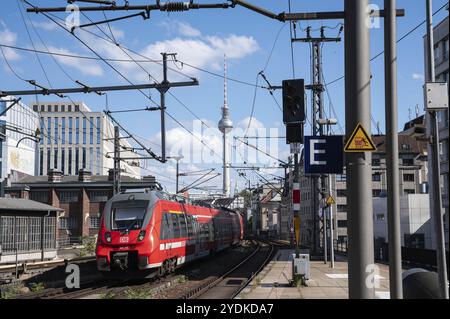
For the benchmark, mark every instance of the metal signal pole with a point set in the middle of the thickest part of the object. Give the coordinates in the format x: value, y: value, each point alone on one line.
x: 433, y: 164
x: 392, y: 160
x: 317, y: 128
x: 358, y: 165
x: 116, y: 172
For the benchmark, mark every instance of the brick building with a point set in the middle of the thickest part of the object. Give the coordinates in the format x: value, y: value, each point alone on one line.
x: 82, y: 197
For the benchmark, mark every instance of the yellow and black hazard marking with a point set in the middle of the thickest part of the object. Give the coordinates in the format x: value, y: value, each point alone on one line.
x: 359, y: 141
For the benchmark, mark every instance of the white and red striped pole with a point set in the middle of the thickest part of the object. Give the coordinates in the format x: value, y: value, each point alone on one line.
x: 296, y: 208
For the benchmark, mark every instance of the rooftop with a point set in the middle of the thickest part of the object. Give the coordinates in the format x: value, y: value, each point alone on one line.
x: 24, y: 205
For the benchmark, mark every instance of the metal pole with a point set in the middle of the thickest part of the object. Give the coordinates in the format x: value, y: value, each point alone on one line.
x: 331, y: 223
x: 176, y: 187
x: 325, y: 235
x: 296, y: 212
x: 162, y: 93
x: 116, y: 173
x: 359, y: 172
x: 433, y: 164
x: 392, y: 160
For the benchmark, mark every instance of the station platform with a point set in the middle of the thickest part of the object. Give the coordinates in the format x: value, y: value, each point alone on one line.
x: 273, y: 282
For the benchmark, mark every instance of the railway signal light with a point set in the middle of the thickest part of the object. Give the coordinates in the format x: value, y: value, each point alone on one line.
x: 293, y: 101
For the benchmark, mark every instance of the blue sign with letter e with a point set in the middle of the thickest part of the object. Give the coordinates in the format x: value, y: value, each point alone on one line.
x: 324, y: 154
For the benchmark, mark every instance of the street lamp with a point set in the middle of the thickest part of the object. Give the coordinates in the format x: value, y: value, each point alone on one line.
x: 178, y: 158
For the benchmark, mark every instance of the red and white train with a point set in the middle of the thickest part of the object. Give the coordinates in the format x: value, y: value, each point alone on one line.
x: 152, y: 230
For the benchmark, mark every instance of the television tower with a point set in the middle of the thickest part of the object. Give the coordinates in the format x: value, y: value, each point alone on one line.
x: 225, y: 126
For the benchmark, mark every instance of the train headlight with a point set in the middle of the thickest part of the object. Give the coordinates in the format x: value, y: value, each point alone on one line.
x: 108, y: 237
x: 141, y: 235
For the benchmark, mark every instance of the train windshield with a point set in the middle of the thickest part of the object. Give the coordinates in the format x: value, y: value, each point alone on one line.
x: 129, y: 214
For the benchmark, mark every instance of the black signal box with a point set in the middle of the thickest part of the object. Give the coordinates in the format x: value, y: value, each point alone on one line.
x: 294, y: 101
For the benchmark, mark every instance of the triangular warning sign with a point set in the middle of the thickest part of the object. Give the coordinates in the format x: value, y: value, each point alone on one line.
x: 330, y: 200
x: 359, y: 141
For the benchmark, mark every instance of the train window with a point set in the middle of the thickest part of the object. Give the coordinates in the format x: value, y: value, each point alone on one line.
x: 176, y: 226
x: 183, y: 226
x: 128, y: 215
x: 166, y: 227
x: 190, y: 225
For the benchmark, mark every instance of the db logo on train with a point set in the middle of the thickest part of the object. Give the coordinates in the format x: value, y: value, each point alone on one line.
x: 124, y: 239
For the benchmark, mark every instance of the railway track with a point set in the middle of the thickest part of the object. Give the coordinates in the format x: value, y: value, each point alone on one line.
x: 231, y: 282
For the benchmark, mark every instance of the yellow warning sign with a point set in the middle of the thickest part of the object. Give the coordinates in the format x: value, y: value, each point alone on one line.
x: 297, y: 228
x: 330, y: 200
x: 359, y: 141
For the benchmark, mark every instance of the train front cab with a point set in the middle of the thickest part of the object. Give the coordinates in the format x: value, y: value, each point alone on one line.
x: 125, y: 240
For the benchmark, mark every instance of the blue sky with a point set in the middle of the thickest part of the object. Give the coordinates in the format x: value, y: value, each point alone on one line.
x: 201, y: 37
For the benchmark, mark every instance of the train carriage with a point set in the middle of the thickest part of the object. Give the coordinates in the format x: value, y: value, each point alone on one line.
x: 152, y: 230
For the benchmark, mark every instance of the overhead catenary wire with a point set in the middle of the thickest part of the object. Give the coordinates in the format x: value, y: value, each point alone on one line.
x: 400, y: 39
x: 173, y: 118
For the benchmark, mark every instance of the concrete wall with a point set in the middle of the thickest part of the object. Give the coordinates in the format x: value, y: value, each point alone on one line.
x: 414, y: 218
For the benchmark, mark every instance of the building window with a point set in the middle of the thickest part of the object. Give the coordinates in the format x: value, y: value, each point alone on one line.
x: 407, y: 191
x: 84, y: 158
x: 408, y: 161
x: 437, y: 52
x: 376, y: 177
x: 63, y: 108
x: 94, y: 222
x: 341, y: 193
x: 376, y: 162
x: 63, y: 159
x: 445, y: 47
x: 63, y: 130
x: 70, y: 130
x: 342, y: 223
x: 49, y: 108
x: 48, y: 159
x: 99, y: 163
x: 77, y: 130
x: 77, y: 108
x: 443, y: 150
x: 91, y: 131
x: 341, y: 177
x: 408, y: 177
x: 69, y: 162
x: 41, y: 162
x: 39, y: 196
x: 84, y: 130
x: 56, y: 130
x: 91, y: 159
x: 42, y: 130
x: 406, y: 147
x: 55, y: 159
x: 341, y: 208
x: 68, y: 196
x: 99, y: 196
x: 380, y: 217
x: 49, y: 130
x: 376, y: 192
x: 68, y: 223
x: 69, y: 108
x: 98, y: 130
x: 77, y: 160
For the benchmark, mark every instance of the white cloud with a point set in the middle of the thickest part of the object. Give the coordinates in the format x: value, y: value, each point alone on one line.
x: 45, y: 25
x: 9, y: 38
x: 204, y: 52
x: 418, y: 77
x: 187, y: 30
x: 254, y: 124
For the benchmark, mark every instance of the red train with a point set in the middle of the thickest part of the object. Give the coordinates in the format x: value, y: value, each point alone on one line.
x: 152, y: 230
